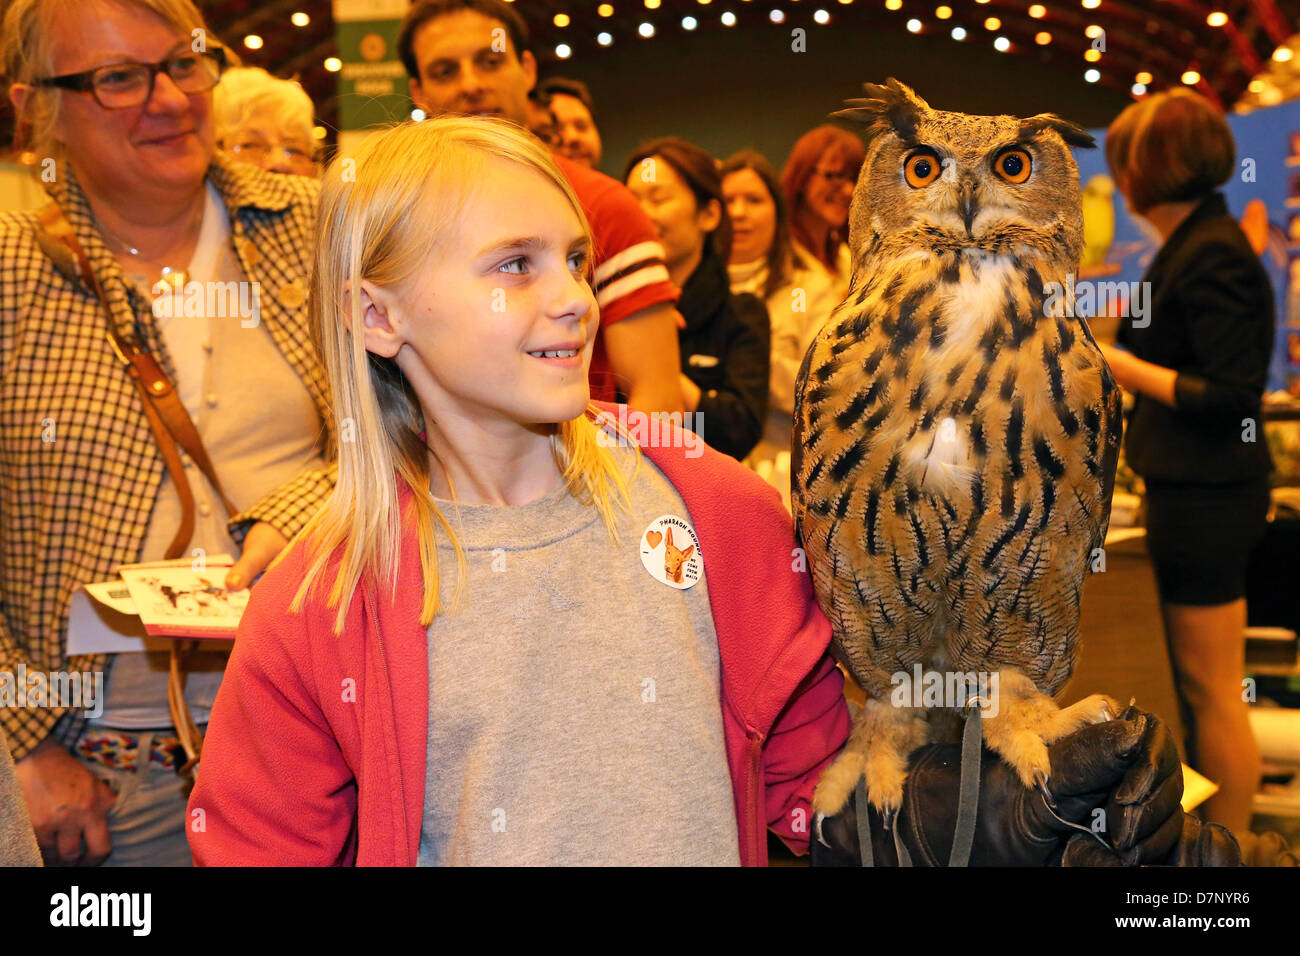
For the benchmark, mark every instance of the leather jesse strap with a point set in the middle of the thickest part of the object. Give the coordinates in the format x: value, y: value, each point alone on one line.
x: 171, y: 426
x: 968, y: 796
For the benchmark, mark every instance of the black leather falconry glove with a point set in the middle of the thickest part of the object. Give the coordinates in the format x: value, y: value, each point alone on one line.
x: 1121, y: 779
x: 1199, y: 844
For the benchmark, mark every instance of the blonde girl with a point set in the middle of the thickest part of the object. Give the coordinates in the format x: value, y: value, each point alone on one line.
x: 526, y: 628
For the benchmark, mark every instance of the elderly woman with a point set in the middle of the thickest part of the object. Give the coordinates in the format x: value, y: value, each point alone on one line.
x: 265, y: 121
x: 118, y: 100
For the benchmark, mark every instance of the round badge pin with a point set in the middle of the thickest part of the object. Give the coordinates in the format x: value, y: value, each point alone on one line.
x: 670, y: 551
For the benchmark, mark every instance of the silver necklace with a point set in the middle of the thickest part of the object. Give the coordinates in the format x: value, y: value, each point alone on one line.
x: 174, y: 277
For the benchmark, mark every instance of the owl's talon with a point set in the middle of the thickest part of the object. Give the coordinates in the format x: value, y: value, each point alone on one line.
x: 817, y: 829
x: 887, y: 818
x: 1040, y: 781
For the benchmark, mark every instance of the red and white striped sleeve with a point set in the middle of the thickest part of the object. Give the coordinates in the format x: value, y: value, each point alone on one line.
x: 630, y: 274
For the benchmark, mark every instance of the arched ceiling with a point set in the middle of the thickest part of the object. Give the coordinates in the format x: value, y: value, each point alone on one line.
x: 1163, y: 38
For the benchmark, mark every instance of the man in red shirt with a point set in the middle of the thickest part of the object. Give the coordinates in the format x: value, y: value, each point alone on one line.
x: 576, y: 135
x: 471, y: 57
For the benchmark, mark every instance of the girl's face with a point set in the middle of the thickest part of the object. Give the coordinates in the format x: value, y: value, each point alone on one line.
x: 470, y: 328
x: 829, y: 190
x: 753, y: 215
x: 670, y: 204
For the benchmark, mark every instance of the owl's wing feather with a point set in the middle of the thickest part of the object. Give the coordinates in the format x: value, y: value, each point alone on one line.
x: 877, y: 561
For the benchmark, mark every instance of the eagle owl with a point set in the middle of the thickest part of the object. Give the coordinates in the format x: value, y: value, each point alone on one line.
x: 955, y: 436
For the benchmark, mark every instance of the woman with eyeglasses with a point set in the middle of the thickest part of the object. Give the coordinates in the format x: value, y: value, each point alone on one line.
x: 817, y: 185
x: 266, y: 121
x: 153, y: 242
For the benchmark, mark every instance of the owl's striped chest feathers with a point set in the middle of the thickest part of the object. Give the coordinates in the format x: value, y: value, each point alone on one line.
x: 932, y: 360
x: 952, y: 436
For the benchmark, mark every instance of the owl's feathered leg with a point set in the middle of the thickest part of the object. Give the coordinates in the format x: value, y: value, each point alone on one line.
x: 882, y: 739
x: 1023, y: 721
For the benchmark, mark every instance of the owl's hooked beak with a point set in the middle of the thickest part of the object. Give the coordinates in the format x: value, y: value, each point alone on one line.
x: 967, y: 205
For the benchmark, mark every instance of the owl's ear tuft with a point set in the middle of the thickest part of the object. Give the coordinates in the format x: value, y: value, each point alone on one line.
x: 1072, y: 134
x: 893, y: 107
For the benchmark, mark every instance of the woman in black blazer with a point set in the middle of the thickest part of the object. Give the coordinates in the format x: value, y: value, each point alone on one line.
x: 1197, y: 364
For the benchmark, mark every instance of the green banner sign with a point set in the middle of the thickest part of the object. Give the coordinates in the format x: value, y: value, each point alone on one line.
x: 372, y: 85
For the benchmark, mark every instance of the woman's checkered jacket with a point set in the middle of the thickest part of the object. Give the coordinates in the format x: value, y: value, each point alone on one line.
x: 73, y: 509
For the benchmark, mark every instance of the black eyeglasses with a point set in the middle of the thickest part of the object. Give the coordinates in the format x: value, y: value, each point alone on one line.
x: 124, y: 85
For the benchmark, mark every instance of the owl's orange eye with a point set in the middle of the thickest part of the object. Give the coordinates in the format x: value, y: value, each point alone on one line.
x: 921, y: 169
x: 1013, y: 165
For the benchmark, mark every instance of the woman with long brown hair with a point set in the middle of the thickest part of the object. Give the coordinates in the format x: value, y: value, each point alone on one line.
x: 796, y: 290
x: 817, y: 185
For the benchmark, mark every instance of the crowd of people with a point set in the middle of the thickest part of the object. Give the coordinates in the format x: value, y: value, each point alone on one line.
x: 695, y: 285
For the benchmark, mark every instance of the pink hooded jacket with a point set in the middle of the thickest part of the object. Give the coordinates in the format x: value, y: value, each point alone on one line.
x: 315, y: 753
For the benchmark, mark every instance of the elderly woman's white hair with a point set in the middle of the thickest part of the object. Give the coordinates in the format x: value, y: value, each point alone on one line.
x: 249, y: 90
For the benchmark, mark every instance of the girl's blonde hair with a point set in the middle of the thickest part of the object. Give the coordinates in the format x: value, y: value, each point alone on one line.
x: 383, y: 213
x: 27, y: 51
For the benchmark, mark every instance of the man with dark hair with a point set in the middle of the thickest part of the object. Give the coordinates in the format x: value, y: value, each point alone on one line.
x: 472, y: 57
x: 422, y: 11
x: 483, y: 66
x: 575, y: 120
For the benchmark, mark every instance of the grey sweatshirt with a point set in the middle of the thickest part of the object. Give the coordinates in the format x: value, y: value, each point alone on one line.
x: 574, y: 713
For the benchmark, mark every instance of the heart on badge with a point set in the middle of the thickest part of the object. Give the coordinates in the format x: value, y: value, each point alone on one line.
x: 654, y: 537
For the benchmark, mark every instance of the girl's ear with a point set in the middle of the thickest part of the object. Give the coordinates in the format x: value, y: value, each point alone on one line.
x: 383, y: 327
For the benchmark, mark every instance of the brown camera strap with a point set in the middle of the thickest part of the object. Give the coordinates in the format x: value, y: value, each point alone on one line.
x: 171, y: 426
